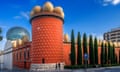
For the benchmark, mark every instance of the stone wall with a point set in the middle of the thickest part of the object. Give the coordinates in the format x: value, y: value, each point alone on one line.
x: 49, y: 66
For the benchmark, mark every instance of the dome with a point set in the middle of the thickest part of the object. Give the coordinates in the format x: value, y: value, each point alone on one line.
x: 66, y: 38
x: 48, y: 7
x: 37, y: 9
x: 58, y: 10
x: 17, y: 33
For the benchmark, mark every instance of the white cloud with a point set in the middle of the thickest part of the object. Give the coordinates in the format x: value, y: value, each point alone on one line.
x: 25, y: 15
x: 115, y: 2
x: 22, y: 15
x: 17, y: 17
x: 100, y: 37
x: 110, y: 2
x: 105, y: 4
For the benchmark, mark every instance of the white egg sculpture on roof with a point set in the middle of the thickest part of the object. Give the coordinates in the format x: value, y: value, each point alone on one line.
x: 58, y: 10
x: 19, y: 41
x: 14, y: 43
x: 48, y: 7
x: 25, y: 39
x: 37, y: 9
x: 66, y: 38
x: 62, y: 14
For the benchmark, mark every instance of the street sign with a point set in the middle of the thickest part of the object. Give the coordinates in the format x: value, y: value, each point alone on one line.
x: 86, y: 56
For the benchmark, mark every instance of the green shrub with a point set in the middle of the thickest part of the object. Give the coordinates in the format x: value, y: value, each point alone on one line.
x: 110, y: 65
x: 89, y: 66
x: 79, y: 66
x: 74, y: 67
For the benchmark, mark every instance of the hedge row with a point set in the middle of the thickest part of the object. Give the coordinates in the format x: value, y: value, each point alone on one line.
x: 89, y: 66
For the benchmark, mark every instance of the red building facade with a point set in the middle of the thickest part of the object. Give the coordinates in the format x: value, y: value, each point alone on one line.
x: 21, y: 56
x: 47, y: 44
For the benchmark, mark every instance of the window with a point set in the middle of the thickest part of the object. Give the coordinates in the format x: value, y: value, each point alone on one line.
x: 17, y: 56
x: 20, y: 55
x: 14, y: 56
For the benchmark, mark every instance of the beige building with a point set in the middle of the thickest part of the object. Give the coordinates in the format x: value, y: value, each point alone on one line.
x: 112, y: 35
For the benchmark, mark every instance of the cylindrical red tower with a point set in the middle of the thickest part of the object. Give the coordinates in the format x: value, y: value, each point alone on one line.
x: 47, y: 35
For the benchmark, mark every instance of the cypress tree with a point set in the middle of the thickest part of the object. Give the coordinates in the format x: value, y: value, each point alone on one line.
x: 91, y: 50
x: 119, y: 56
x: 109, y: 52
x: 0, y: 34
x: 102, y: 54
x: 85, y: 45
x: 79, y: 50
x: 72, y: 55
x: 112, y: 57
x: 96, y: 50
x: 113, y: 54
x: 106, y: 54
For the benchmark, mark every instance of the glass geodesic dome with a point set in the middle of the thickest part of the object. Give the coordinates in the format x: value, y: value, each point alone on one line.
x: 17, y: 33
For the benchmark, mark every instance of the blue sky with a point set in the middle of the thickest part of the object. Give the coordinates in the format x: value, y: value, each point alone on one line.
x: 90, y: 16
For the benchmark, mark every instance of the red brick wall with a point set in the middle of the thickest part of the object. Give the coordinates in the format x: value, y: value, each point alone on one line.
x: 66, y: 51
x: 47, y: 39
x: 19, y: 61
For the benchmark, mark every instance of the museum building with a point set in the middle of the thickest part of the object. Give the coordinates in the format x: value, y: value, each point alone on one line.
x: 48, y: 46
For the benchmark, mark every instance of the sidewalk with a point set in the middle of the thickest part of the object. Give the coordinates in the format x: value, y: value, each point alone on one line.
x: 100, y: 68
x: 65, y: 70
x: 14, y: 70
